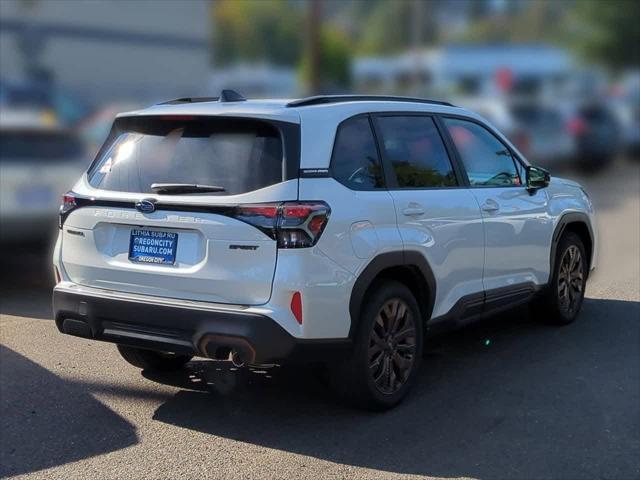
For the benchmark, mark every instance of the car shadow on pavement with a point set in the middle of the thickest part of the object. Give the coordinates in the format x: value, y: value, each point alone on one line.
x: 506, y: 398
x: 46, y: 421
x: 37, y: 303
x: 26, y: 283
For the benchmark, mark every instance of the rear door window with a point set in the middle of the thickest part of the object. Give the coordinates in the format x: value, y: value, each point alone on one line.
x: 239, y: 155
x: 416, y: 152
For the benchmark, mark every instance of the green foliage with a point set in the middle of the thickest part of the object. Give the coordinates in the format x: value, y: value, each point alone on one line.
x: 378, y: 37
x: 533, y: 22
x: 388, y: 25
x: 335, y: 58
x: 258, y: 30
x: 610, y: 32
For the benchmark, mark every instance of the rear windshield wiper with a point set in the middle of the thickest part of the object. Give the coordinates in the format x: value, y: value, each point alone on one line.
x: 177, y: 188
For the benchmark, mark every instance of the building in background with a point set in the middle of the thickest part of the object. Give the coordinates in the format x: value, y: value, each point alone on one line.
x: 468, y: 70
x: 259, y: 80
x: 106, y: 51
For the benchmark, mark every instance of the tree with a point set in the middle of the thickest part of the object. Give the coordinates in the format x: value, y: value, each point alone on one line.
x: 257, y: 30
x: 528, y: 21
x: 334, y: 64
x: 390, y: 26
x: 609, y: 32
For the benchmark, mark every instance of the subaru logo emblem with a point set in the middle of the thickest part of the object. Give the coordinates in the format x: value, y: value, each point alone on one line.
x: 146, y: 206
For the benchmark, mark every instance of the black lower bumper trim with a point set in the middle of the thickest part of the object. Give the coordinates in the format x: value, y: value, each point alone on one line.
x: 257, y: 338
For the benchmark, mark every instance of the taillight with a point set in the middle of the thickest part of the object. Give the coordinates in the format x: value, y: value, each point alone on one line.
x: 263, y: 216
x: 67, y: 206
x: 577, y: 126
x: 291, y: 224
x: 301, y: 224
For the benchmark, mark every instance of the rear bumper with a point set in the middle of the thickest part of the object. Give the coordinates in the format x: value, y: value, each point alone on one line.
x: 192, y: 330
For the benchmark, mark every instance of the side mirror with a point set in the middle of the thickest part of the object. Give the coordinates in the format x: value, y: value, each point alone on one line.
x: 537, y: 178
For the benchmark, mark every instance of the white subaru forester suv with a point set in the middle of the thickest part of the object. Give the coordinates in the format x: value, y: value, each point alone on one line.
x: 332, y: 228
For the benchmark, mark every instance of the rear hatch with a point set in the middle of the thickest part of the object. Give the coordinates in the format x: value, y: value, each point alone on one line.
x: 180, y: 207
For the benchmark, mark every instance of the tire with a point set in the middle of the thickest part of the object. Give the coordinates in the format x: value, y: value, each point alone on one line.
x: 387, y: 349
x: 562, y: 300
x: 152, y: 360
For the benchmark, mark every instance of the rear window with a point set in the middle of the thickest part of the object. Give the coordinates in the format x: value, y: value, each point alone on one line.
x: 37, y: 146
x: 240, y: 155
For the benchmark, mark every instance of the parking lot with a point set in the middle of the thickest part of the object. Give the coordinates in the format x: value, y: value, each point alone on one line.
x: 506, y: 398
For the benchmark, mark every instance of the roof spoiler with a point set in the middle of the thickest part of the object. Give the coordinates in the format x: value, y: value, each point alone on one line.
x: 225, y: 96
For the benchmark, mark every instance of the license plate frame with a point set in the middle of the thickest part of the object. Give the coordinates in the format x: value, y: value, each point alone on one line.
x: 153, y: 247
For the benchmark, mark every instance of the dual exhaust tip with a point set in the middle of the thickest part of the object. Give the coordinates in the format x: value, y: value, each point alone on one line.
x: 238, y: 350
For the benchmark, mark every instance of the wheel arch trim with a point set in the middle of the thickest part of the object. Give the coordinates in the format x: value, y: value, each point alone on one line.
x: 379, y: 264
x: 565, y: 220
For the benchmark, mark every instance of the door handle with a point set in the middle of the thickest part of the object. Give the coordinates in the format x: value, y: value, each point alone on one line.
x: 413, y: 210
x: 490, y: 206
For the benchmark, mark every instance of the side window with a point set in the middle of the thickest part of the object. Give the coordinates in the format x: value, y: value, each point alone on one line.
x: 413, y: 146
x: 486, y: 159
x: 355, y: 162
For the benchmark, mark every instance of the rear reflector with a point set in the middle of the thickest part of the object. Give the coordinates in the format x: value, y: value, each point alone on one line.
x: 57, y: 273
x: 296, y: 306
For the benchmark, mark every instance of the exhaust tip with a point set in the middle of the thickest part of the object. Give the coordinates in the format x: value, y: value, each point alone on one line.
x: 236, y: 349
x: 236, y: 359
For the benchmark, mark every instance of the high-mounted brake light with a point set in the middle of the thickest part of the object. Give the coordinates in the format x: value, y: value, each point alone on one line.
x: 291, y: 224
x: 68, y: 205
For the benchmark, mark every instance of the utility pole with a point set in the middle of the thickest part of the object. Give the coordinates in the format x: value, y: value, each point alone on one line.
x: 313, y: 48
x: 417, y: 24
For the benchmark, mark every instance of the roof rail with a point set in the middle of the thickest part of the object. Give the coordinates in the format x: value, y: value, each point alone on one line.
x: 189, y: 100
x: 225, y: 96
x: 324, y: 99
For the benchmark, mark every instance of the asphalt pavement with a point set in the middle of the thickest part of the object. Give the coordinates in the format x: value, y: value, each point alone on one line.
x: 505, y: 398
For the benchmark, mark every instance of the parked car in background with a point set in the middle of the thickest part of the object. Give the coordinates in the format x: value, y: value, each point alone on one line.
x: 38, y: 162
x: 536, y: 129
x: 596, y: 133
x: 627, y: 111
x: 32, y: 96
